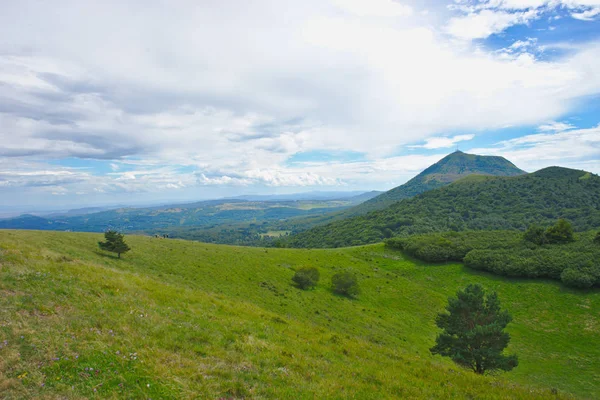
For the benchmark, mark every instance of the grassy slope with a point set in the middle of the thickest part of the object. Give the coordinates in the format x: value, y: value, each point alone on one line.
x: 176, y: 319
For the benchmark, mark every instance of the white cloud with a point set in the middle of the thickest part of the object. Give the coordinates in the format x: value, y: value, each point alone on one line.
x: 588, y: 15
x: 554, y: 126
x: 444, y: 142
x: 481, y: 19
x: 487, y: 22
x: 374, y: 8
x: 233, y: 93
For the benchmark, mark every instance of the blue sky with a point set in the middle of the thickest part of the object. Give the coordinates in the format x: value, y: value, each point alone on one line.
x: 114, y: 103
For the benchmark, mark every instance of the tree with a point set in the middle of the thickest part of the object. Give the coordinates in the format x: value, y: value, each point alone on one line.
x: 114, y: 243
x: 306, y: 277
x: 345, y: 283
x: 597, y: 238
x: 535, y: 234
x: 473, y: 331
x: 561, y: 232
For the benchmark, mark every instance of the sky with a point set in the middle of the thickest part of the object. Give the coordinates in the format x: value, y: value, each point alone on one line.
x: 129, y: 102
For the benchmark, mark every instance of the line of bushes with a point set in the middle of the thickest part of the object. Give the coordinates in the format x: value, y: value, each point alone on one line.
x: 572, y: 258
x: 344, y: 283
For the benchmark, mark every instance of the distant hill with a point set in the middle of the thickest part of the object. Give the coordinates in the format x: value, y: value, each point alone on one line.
x: 354, y: 196
x: 193, y: 219
x: 476, y: 202
x: 449, y: 169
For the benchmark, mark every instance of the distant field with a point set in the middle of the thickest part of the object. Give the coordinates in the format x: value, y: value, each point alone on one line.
x: 178, y: 319
x: 275, y: 233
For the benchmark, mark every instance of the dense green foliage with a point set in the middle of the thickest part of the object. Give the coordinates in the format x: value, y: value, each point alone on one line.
x: 473, y: 331
x: 473, y: 203
x: 178, y: 319
x: 507, y: 253
x: 345, y: 283
x: 114, y: 242
x: 449, y: 169
x: 561, y: 232
x: 306, y: 277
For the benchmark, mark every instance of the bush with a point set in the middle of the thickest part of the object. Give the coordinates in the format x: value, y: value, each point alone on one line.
x: 345, y: 283
x: 561, y: 232
x: 306, y: 277
x: 577, y: 278
x: 535, y: 234
x: 597, y: 238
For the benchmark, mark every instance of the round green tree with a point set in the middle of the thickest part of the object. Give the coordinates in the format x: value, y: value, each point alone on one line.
x: 345, y: 283
x: 473, y: 331
x: 561, y: 232
x: 306, y: 277
x: 114, y: 242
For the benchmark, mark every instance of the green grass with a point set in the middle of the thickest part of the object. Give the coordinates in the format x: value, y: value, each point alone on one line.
x: 177, y: 319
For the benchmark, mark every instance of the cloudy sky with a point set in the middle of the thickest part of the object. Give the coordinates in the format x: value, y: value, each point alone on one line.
x: 139, y: 102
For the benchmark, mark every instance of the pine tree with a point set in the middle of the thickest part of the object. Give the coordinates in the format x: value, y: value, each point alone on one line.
x: 114, y: 243
x: 473, y: 331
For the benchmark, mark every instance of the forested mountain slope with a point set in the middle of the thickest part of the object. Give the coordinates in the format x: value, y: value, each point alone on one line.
x: 449, y: 169
x: 473, y: 203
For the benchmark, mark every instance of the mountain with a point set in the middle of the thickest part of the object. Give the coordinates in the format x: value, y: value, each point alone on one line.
x: 476, y: 202
x: 449, y: 169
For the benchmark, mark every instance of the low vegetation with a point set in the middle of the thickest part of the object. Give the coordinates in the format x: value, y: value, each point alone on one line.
x: 575, y: 261
x: 306, y: 277
x: 345, y: 283
x: 177, y: 319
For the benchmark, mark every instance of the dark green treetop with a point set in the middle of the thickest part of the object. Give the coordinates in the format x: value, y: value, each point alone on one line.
x: 561, y: 232
x: 114, y: 243
x: 473, y: 331
x: 345, y: 283
x: 306, y: 277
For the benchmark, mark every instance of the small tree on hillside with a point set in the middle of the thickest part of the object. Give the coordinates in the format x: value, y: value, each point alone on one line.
x: 345, y: 283
x: 114, y: 243
x: 597, y: 238
x: 561, y: 232
x: 473, y: 331
x: 306, y: 277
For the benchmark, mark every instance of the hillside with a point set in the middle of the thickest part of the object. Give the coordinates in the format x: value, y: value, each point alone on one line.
x: 449, y: 169
x: 472, y: 203
x: 177, y: 319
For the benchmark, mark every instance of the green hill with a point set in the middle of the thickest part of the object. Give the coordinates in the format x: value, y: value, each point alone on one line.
x: 472, y: 203
x: 177, y: 319
x: 449, y: 169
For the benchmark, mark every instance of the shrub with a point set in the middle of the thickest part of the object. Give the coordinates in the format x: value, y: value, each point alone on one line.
x: 577, y: 278
x: 535, y: 234
x: 561, y: 232
x: 306, y: 277
x: 345, y: 283
x: 597, y: 238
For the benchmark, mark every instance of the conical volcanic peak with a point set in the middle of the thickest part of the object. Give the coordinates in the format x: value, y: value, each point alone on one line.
x: 454, y: 166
